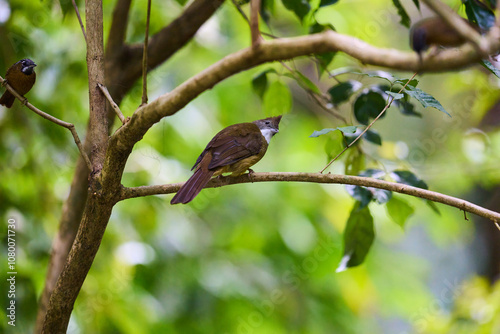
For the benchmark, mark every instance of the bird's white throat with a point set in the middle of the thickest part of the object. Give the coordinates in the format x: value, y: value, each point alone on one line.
x: 268, y: 134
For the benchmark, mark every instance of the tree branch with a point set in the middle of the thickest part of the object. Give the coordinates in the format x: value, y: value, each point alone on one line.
x: 98, y: 207
x: 282, y: 49
x: 145, y: 58
x: 118, y: 30
x: 119, y: 80
x: 112, y: 103
x: 75, y: 6
x: 52, y: 119
x: 461, y: 204
x: 254, y: 22
x: 460, y: 26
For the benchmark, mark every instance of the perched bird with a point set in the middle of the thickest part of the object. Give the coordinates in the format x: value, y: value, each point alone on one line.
x: 435, y: 31
x: 21, y: 76
x: 233, y: 150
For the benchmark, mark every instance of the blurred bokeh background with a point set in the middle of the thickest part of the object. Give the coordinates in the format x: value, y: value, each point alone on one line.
x: 254, y: 258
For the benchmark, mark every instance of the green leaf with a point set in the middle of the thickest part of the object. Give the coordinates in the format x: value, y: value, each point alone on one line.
x: 334, y: 144
x: 479, y: 14
x: 425, y: 99
x: 396, y: 96
x: 402, y: 82
x: 405, y: 19
x: 355, y: 162
x: 490, y: 67
x: 66, y: 6
x: 365, y: 194
x: 434, y: 207
x: 407, y: 177
x: 343, y: 91
x: 399, y: 210
x: 266, y: 10
x: 260, y: 82
x: 324, y: 3
x: 407, y: 108
x: 373, y: 137
x: 360, y: 194
x: 308, y: 84
x: 358, y: 238
x: 324, y: 59
x: 300, y: 7
x: 417, y: 4
x: 343, y: 129
x: 277, y: 99
x: 368, y: 105
x: 381, y: 195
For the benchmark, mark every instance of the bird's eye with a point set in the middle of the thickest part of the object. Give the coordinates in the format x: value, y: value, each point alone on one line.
x: 268, y: 122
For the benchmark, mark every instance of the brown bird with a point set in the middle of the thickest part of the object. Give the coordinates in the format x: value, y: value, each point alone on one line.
x: 435, y: 31
x: 21, y: 76
x: 233, y: 150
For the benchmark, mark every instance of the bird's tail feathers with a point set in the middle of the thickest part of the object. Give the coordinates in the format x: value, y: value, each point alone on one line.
x: 192, y: 187
x: 7, y: 99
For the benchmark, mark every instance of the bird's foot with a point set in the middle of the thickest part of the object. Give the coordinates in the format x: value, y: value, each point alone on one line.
x: 24, y: 101
x: 250, y: 174
x: 4, y: 83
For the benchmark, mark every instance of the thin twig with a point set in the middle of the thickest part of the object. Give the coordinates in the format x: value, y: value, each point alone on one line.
x: 325, y: 108
x: 498, y: 226
x: 75, y: 6
x: 370, y: 125
x: 254, y: 22
x: 145, y: 59
x: 321, y: 178
x: 51, y: 118
x: 314, y: 96
x: 242, y: 13
x: 115, y: 107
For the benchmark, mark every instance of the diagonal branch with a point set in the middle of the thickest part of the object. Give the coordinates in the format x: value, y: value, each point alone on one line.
x: 369, y: 125
x: 145, y: 58
x: 51, y: 118
x: 118, y: 29
x: 282, y: 49
x: 461, y: 204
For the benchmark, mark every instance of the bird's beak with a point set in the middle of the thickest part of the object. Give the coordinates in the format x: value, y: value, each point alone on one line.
x: 32, y: 65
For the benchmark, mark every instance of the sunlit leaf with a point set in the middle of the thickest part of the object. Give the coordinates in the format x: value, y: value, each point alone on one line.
x: 307, y: 83
x: 396, y: 96
x: 277, y: 99
x: 355, y: 162
x: 260, y: 82
x: 358, y: 238
x: 399, y: 210
x: 344, y: 129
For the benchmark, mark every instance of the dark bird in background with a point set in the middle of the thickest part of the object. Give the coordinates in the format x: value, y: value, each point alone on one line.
x: 233, y: 150
x: 21, y: 76
x: 435, y: 31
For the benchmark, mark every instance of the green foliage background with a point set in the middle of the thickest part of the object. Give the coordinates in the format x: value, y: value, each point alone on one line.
x: 252, y: 258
